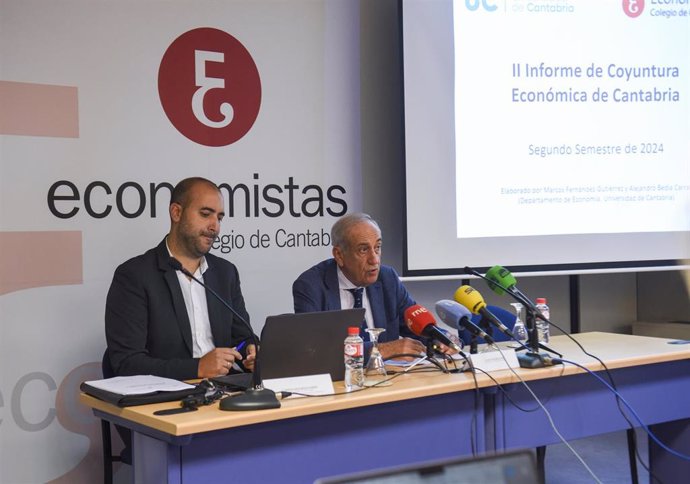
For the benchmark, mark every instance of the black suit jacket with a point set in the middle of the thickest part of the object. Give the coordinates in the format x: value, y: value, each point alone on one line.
x: 146, y: 324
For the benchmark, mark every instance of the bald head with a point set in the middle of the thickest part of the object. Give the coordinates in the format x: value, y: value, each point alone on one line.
x: 181, y: 193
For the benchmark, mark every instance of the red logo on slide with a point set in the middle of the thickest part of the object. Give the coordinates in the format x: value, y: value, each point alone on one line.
x: 209, y: 87
x: 633, y: 8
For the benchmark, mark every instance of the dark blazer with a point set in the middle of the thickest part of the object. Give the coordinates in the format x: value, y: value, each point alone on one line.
x: 146, y: 324
x: 317, y: 289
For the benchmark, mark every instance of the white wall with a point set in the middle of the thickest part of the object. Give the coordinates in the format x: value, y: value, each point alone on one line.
x: 94, y: 67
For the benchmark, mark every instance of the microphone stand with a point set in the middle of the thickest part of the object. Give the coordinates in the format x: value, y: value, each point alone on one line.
x: 473, y: 344
x: 257, y: 397
x: 533, y: 358
x: 486, y: 326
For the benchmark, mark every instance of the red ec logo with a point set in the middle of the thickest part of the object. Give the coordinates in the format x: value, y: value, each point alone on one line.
x: 209, y: 87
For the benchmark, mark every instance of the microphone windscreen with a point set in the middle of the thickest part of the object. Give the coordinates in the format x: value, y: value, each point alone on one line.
x: 451, y: 312
x: 470, y: 298
x: 417, y: 318
x: 501, y: 277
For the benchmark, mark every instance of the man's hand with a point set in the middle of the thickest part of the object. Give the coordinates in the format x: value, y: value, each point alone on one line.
x: 250, y: 360
x: 218, y: 362
x: 446, y: 350
x: 401, y: 346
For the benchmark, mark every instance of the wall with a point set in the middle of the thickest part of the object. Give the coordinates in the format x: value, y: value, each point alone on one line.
x: 98, y: 106
x: 664, y: 296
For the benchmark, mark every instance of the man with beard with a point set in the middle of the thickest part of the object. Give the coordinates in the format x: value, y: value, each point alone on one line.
x: 160, y: 322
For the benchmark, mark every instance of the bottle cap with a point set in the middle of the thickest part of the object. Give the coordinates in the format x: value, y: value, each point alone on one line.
x: 353, y: 330
x: 541, y: 300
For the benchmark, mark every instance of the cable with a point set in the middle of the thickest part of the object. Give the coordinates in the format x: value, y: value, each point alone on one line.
x: 367, y: 387
x: 632, y: 411
x: 618, y: 403
x: 548, y: 416
x: 393, y: 375
x: 475, y: 412
x: 507, y: 395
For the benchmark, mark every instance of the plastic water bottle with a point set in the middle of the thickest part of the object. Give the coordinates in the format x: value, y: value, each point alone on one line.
x: 354, y: 360
x: 543, y: 326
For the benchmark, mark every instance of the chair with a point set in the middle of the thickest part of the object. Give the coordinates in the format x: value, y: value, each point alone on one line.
x: 505, y: 316
x: 508, y: 319
x: 125, y: 434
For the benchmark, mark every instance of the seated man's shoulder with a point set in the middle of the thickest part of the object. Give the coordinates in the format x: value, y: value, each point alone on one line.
x: 139, y: 261
x: 214, y: 260
x: 388, y: 273
x: 138, y: 271
x: 318, y: 269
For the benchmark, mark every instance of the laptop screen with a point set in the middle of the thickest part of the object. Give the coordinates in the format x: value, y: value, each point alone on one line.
x: 516, y: 467
x: 306, y: 343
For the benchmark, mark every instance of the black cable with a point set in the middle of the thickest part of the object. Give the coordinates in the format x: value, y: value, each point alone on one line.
x: 475, y: 412
x: 507, y: 395
x: 618, y: 400
x: 394, y: 374
x: 644, y: 426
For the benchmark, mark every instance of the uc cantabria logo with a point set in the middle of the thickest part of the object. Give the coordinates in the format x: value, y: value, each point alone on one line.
x: 209, y: 87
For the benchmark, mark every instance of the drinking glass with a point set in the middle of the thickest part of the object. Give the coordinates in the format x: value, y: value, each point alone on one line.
x: 519, y: 330
x: 375, y: 372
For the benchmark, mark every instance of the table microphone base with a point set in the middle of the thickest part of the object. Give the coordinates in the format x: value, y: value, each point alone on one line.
x: 251, y: 399
x: 535, y: 360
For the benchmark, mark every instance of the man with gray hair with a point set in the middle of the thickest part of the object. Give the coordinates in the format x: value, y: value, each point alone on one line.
x: 354, y: 277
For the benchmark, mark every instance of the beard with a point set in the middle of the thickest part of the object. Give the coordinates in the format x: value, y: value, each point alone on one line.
x: 196, y: 244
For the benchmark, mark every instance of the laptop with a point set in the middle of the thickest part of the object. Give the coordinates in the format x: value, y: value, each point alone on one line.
x: 306, y: 343
x: 515, y: 467
x: 301, y: 344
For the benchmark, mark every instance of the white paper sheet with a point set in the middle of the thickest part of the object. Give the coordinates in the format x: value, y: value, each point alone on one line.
x: 139, y: 384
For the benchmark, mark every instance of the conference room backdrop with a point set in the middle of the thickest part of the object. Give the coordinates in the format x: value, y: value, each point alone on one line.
x: 105, y: 106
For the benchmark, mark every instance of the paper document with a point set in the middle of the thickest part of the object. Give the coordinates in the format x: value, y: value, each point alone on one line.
x: 139, y: 384
x: 421, y: 360
x: 309, y: 385
x: 495, y: 360
x: 406, y: 363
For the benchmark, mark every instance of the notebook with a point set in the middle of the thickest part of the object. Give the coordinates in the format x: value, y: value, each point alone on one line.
x: 515, y: 467
x: 301, y: 344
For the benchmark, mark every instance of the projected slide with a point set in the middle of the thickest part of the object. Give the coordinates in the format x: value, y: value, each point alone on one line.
x: 546, y: 135
x: 573, y: 113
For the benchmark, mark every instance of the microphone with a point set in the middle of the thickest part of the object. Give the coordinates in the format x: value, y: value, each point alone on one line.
x: 458, y: 316
x: 177, y: 265
x: 258, y: 397
x: 473, y: 300
x: 421, y: 322
x: 502, y: 281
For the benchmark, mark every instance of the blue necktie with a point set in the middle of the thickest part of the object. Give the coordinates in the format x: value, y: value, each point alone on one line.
x: 357, y: 294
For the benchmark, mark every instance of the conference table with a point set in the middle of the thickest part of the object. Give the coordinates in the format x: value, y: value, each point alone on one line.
x: 420, y: 417
x: 651, y: 374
